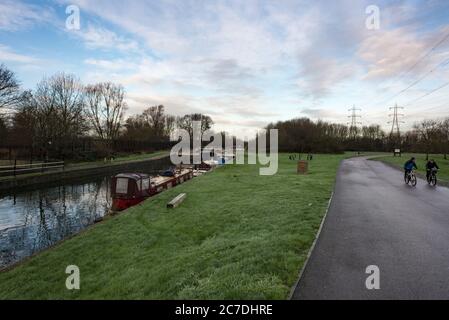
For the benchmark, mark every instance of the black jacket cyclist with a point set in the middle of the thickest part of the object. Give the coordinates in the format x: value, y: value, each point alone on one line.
x: 430, y: 166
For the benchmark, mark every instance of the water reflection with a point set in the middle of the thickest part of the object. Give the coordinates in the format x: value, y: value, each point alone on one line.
x: 32, y: 221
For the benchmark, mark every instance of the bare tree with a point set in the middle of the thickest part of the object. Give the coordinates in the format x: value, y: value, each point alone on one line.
x: 137, y: 129
x: 186, y: 122
x: 152, y: 125
x: 9, y: 88
x: 59, y: 104
x: 155, y: 117
x: 24, y: 121
x: 3, y: 129
x: 105, y: 109
x: 428, y: 132
x: 444, y: 128
x: 52, y: 117
x: 170, y: 122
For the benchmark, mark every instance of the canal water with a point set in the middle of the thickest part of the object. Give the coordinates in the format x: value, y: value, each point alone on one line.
x: 33, y: 220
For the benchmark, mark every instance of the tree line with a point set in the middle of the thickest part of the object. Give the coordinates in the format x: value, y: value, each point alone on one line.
x: 304, y: 135
x: 61, y: 112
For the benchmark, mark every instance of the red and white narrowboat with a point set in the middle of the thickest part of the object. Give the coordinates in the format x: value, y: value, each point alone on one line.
x: 129, y: 189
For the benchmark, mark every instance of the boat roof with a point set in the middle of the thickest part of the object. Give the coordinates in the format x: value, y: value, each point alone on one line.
x: 134, y: 176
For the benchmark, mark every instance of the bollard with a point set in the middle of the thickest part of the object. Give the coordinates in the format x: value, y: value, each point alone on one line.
x: 303, y: 167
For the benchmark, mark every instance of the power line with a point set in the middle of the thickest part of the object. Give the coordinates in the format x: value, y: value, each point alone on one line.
x: 404, y: 73
x: 436, y: 108
x: 427, y: 54
x: 427, y: 94
x: 442, y: 64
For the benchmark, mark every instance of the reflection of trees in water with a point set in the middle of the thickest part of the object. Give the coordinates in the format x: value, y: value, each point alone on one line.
x: 50, y: 215
x: 14, y: 239
x: 6, y: 256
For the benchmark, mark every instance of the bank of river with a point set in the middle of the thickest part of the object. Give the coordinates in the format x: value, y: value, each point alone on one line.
x: 59, y: 176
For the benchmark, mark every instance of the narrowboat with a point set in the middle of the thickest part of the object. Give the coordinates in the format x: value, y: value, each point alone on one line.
x: 129, y: 189
x: 206, y: 165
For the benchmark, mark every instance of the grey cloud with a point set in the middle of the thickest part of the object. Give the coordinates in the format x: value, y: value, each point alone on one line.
x: 326, y: 57
x: 177, y: 106
x: 320, y: 113
x: 319, y: 75
x: 243, y: 123
x: 227, y: 69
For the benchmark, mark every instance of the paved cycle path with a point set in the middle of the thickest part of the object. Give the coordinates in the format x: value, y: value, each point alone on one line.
x: 375, y: 219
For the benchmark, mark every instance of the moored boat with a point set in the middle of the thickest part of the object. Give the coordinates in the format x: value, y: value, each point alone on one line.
x: 129, y: 189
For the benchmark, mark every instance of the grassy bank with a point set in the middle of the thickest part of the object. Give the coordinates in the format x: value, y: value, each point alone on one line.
x: 121, y: 159
x: 72, y: 167
x: 238, y: 235
x: 443, y: 174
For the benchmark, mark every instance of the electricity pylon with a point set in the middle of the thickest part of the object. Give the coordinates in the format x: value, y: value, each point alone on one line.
x: 395, y: 130
x: 355, y: 122
x: 395, y: 134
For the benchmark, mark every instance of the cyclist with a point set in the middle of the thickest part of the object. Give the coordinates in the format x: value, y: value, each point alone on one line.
x: 409, y: 166
x: 431, y: 165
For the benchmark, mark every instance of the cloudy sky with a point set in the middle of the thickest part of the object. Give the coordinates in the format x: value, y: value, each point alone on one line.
x: 246, y: 62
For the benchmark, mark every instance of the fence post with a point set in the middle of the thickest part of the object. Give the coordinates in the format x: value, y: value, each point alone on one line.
x: 15, y: 165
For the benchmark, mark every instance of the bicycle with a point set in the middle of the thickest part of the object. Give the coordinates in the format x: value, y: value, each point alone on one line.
x: 432, y: 177
x: 410, y: 178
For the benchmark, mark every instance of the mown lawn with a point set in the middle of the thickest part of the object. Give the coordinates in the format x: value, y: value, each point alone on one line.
x: 238, y: 235
x: 443, y: 174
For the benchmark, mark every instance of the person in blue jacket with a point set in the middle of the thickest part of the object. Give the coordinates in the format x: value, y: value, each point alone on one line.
x: 409, y: 166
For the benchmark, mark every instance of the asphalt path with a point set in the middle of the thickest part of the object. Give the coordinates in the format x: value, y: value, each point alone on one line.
x: 376, y: 219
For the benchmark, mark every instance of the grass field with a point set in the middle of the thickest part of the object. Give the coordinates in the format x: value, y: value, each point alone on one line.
x: 238, y: 235
x: 443, y: 174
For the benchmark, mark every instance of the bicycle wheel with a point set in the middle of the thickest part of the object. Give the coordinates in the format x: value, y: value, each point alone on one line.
x: 407, y: 179
x: 413, y: 180
x: 433, y: 181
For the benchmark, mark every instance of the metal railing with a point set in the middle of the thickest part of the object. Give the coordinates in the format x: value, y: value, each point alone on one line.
x: 40, y: 167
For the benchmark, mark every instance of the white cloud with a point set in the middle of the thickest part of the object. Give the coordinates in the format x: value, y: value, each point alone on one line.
x: 251, y: 61
x: 15, y: 15
x: 7, y: 54
x: 111, y: 65
x: 390, y: 52
x: 100, y: 38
